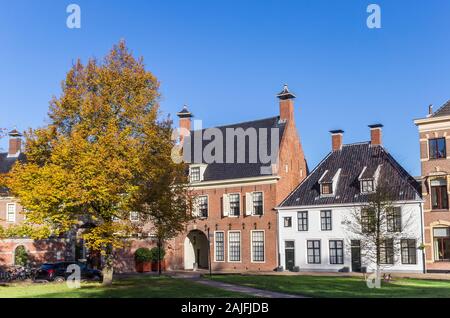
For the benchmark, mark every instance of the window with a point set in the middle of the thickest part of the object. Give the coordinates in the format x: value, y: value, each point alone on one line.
x: 11, y: 212
x: 327, y: 188
x: 220, y: 247
x: 368, y: 221
x: 437, y: 148
x: 439, y: 197
x: 257, y: 203
x: 387, y: 251
x: 313, y: 252
x: 336, y: 252
x: 195, y: 174
x: 408, y: 251
x: 235, y: 204
x: 325, y: 220
x: 367, y: 186
x: 302, y: 221
x: 394, y: 219
x: 441, y: 243
x: 287, y: 221
x: 134, y: 216
x: 202, y: 206
x: 258, y: 246
x: 234, y: 246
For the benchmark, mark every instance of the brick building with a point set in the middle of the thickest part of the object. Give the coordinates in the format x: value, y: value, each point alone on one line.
x: 434, y: 137
x: 236, y: 199
x: 11, y: 213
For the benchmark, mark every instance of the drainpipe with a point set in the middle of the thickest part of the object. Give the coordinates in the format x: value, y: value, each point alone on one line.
x: 277, y: 239
x: 421, y: 232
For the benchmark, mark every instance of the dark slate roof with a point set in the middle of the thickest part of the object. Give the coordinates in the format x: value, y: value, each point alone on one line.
x: 6, y: 165
x: 352, y: 159
x: 184, y: 113
x: 224, y: 171
x: 444, y: 110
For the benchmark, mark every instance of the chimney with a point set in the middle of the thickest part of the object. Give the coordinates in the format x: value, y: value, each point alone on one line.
x: 430, y: 110
x: 375, y: 134
x: 336, y: 139
x: 185, y: 122
x: 286, y: 104
x: 15, y: 143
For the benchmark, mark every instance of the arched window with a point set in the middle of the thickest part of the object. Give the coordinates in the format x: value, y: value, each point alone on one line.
x: 20, y: 256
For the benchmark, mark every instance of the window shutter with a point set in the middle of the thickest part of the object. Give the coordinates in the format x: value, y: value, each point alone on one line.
x: 196, y: 208
x: 226, y: 204
x: 248, y: 203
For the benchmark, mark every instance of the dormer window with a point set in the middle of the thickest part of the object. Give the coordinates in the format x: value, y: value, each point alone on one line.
x: 329, y: 182
x: 195, y: 174
x: 368, y: 178
x: 367, y: 186
x: 327, y: 188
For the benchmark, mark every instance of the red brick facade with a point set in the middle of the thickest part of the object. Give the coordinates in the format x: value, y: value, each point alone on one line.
x: 435, y: 172
x: 291, y: 170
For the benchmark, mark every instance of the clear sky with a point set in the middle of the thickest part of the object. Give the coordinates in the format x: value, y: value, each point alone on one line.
x: 227, y: 60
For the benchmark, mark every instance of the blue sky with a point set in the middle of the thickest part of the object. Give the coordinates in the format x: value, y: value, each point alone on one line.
x: 228, y: 59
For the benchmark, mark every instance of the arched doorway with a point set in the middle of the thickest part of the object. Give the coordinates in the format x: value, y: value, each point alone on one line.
x: 196, y: 250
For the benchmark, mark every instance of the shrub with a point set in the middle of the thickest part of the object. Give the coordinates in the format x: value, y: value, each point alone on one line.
x: 142, y: 255
x: 20, y: 256
x: 154, y: 254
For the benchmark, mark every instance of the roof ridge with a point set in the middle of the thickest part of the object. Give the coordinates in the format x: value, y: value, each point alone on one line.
x: 242, y: 122
x: 447, y: 103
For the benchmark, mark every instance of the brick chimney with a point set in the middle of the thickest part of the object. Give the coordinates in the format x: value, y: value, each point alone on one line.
x: 286, y: 104
x: 15, y: 143
x: 336, y: 139
x: 375, y: 134
x: 185, y: 122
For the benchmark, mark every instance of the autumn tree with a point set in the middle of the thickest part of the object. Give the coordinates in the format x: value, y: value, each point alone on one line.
x: 104, y: 144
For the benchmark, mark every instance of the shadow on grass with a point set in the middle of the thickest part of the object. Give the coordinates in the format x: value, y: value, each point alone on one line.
x: 135, y: 287
x: 341, y: 287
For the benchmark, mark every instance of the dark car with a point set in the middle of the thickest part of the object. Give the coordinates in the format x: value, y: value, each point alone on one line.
x: 57, y: 272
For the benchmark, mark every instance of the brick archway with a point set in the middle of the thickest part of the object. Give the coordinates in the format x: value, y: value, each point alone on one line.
x: 196, y: 250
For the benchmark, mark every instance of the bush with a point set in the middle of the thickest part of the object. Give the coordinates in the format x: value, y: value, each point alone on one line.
x: 154, y: 254
x: 142, y: 255
x: 20, y: 256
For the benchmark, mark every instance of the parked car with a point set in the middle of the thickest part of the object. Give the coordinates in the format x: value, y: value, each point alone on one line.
x: 57, y: 272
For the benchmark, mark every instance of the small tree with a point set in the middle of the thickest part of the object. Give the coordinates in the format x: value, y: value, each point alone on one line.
x: 164, y: 198
x: 377, y: 225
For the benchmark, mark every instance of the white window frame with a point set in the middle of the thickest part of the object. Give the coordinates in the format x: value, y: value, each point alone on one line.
x: 253, y: 206
x: 133, y: 219
x: 228, y: 213
x: 199, y: 174
x: 197, y: 207
x: 251, y: 246
x: 240, y: 246
x: 14, y: 214
x: 215, y: 247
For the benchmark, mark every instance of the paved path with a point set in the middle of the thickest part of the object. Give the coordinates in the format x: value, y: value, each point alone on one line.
x: 196, y: 277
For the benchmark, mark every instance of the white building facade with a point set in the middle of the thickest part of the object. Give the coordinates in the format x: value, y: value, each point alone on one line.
x: 317, y: 221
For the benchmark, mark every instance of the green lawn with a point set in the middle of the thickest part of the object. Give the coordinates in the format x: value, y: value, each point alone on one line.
x: 136, y: 287
x: 325, y: 286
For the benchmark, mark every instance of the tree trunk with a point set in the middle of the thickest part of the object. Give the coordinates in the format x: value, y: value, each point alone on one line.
x: 159, y: 256
x: 108, y: 268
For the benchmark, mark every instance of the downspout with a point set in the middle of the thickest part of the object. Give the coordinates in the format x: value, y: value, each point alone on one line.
x: 278, y: 240
x: 421, y: 232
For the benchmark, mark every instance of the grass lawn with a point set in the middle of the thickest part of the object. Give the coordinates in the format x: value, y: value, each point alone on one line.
x: 136, y: 287
x: 326, y: 286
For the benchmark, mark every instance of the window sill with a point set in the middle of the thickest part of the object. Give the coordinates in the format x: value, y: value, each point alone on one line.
x: 440, y: 210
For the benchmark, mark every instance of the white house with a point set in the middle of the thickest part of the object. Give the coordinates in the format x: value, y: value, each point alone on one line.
x: 316, y: 221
